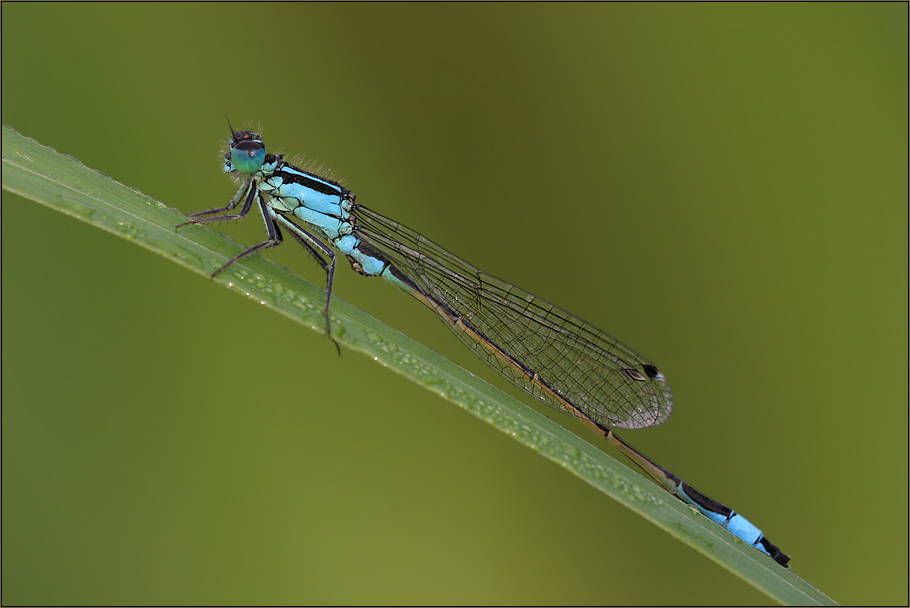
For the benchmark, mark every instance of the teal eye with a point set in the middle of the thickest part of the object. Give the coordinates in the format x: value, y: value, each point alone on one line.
x: 248, y: 155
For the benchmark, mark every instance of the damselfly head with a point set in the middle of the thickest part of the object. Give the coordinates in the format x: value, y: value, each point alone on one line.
x: 247, y: 152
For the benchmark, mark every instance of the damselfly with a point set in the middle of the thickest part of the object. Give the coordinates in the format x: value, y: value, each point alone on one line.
x: 560, y: 359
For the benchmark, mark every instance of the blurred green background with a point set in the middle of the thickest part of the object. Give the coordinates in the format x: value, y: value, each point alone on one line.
x: 724, y: 187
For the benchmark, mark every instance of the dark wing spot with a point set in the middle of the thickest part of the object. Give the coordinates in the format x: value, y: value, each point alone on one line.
x: 653, y: 372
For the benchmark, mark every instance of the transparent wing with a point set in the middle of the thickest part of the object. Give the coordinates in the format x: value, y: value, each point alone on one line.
x: 576, y: 364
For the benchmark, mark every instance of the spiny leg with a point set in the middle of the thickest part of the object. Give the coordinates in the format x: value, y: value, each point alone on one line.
x: 252, y: 190
x: 317, y: 249
x: 271, y: 227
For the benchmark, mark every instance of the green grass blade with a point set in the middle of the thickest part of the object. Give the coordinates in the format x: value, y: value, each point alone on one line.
x: 63, y: 183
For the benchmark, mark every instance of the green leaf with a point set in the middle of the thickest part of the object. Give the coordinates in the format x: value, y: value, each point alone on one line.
x: 63, y: 183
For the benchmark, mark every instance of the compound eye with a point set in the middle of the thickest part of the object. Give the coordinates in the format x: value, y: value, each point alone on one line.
x: 248, y: 155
